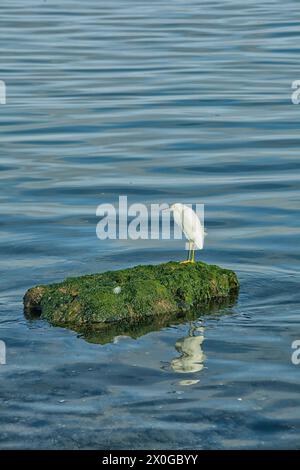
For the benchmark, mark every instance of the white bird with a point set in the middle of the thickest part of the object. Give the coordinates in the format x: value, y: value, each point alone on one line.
x: 190, y: 224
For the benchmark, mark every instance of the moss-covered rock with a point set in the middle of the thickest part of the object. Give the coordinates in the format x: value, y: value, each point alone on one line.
x: 122, y: 301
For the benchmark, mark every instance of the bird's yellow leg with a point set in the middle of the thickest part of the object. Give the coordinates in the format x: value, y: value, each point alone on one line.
x: 189, y: 256
x: 193, y: 254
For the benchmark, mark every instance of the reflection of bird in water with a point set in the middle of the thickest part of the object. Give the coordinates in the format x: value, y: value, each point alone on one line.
x: 192, y: 357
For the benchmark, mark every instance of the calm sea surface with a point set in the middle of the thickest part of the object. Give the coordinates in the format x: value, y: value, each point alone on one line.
x: 164, y: 102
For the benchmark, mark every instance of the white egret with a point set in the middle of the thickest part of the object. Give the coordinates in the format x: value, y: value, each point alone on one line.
x: 190, y: 224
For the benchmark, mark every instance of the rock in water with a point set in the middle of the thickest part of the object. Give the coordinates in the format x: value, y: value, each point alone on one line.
x: 122, y: 300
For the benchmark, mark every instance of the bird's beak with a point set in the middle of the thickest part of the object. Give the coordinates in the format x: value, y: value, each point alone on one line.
x: 168, y: 209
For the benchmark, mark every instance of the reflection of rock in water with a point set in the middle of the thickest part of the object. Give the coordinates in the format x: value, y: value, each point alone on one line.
x: 192, y: 357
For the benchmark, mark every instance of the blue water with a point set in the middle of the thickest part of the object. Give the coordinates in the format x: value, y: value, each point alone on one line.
x: 164, y: 102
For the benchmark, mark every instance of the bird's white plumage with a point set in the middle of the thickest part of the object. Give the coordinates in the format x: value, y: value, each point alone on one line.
x: 189, y: 223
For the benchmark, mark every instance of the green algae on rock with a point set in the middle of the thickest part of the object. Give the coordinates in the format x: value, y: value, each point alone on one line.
x: 102, y: 333
x: 118, y: 300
